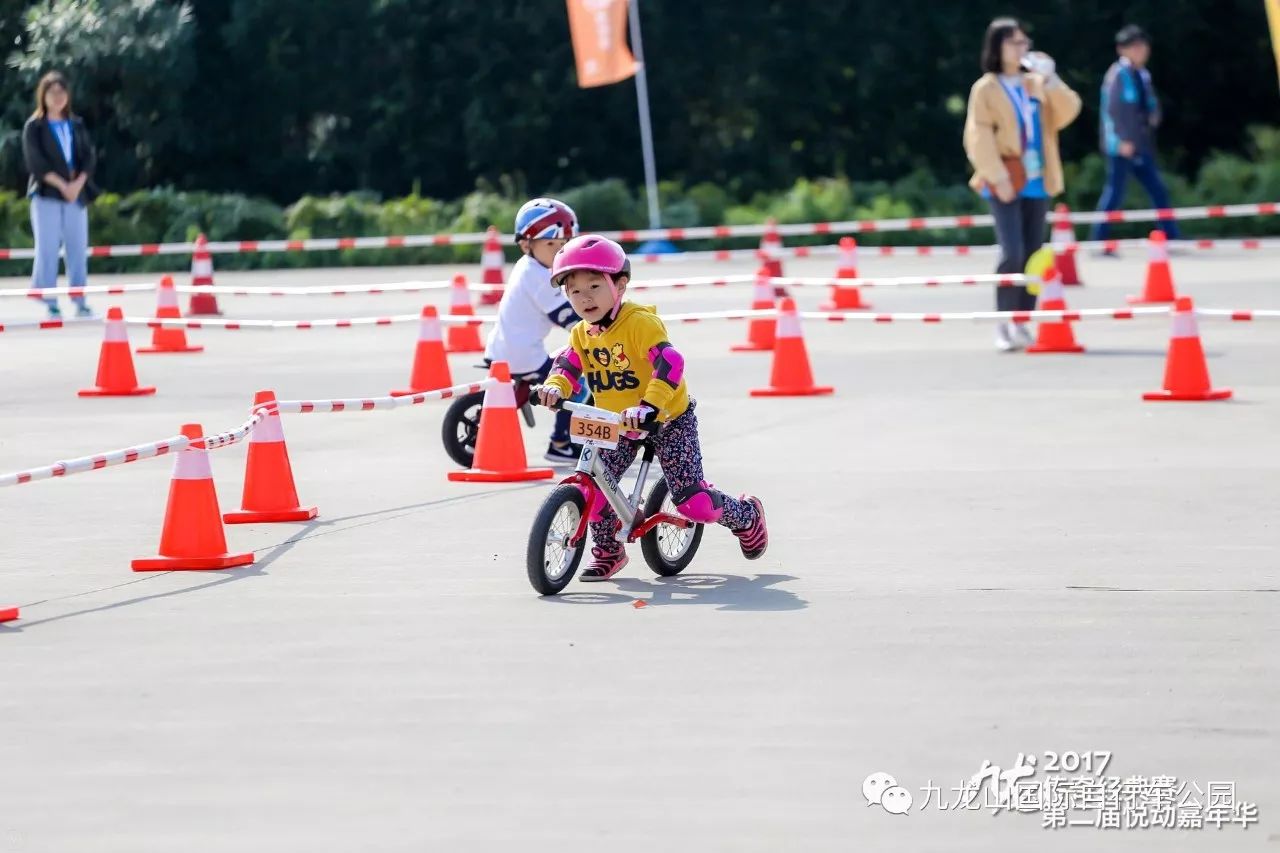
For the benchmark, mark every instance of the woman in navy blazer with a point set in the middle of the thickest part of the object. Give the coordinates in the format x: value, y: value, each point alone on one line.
x: 60, y: 158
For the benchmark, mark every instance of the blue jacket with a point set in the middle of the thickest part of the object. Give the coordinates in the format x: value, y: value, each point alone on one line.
x: 1130, y: 109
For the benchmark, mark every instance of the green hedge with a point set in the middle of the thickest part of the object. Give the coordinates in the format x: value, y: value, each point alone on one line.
x: 166, y: 215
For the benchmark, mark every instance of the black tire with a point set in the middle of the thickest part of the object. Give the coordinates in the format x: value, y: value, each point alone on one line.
x: 461, y: 426
x: 542, y: 532
x: 653, y: 543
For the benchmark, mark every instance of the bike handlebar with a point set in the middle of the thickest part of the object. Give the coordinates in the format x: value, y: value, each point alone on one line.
x: 571, y: 406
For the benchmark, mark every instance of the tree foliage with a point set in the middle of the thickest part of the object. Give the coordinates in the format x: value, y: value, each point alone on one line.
x: 285, y: 97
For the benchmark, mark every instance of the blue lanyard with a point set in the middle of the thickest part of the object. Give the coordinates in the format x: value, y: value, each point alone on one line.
x: 1022, y: 106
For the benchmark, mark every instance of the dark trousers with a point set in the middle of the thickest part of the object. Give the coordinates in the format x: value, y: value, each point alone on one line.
x: 1143, y: 167
x: 1020, y: 230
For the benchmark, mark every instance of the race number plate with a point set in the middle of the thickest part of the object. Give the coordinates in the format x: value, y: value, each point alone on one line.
x: 592, y: 430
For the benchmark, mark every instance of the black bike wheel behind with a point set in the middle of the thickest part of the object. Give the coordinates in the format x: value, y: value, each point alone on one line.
x: 668, y: 549
x: 550, y: 562
x: 461, y: 426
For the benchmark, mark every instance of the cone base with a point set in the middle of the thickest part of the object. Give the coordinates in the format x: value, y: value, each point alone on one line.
x: 138, y: 391
x: 177, y: 564
x: 811, y: 391
x: 477, y: 475
x: 1037, y: 349
x: 8, y: 614
x: 169, y: 349
x: 244, y: 516
x: 1171, y: 396
x: 831, y: 306
x: 1143, y: 300
x: 749, y: 347
x: 192, y: 313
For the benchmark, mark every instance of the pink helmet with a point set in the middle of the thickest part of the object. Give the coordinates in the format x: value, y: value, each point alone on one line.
x: 590, y: 252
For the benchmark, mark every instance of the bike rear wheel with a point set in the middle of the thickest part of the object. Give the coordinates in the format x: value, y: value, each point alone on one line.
x: 550, y: 560
x: 461, y: 427
x: 668, y: 549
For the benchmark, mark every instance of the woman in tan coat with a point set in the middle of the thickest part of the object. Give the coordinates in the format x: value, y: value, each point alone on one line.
x: 1015, y: 112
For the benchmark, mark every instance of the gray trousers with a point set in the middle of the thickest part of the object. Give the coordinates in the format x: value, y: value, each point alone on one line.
x: 1020, y: 230
x: 59, y: 225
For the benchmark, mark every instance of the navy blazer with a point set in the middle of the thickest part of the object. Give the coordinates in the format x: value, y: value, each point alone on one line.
x: 43, y: 154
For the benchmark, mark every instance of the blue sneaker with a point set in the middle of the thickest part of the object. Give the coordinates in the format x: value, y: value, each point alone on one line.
x: 83, y: 310
x: 567, y: 454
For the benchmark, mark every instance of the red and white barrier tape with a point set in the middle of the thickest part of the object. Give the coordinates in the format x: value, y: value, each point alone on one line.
x: 855, y: 226
x: 1239, y: 316
x: 272, y: 325
x: 929, y: 317
x: 370, y: 404
x: 178, y: 443
x: 93, y: 463
x: 20, y: 325
x: 76, y: 292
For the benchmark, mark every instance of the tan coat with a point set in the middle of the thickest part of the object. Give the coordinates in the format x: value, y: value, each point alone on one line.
x: 991, y: 128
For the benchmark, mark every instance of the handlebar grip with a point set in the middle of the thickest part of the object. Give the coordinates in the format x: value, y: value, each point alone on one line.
x: 535, y: 394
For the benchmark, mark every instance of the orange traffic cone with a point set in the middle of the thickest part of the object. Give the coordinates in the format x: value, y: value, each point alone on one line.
x: 202, y: 304
x: 192, y: 537
x: 759, y: 329
x: 791, y: 375
x: 269, y: 492
x: 1063, y: 239
x: 1158, y: 288
x: 846, y: 298
x: 500, y: 454
x: 491, y: 261
x: 430, y: 366
x: 771, y: 254
x: 464, y: 337
x: 8, y: 614
x: 1056, y: 335
x: 168, y: 340
x: 1186, y: 375
x: 116, y: 377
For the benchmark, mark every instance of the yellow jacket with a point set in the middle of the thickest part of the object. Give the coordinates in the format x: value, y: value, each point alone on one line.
x: 991, y: 128
x: 618, y: 364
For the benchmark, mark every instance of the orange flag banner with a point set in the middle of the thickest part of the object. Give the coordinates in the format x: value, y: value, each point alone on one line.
x: 599, y: 31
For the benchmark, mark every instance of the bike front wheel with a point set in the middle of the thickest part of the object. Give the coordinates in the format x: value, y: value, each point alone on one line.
x: 551, y: 560
x: 668, y: 549
x: 461, y: 427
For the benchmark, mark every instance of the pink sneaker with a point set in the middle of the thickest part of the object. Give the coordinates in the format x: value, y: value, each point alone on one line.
x: 753, y: 540
x: 605, y: 565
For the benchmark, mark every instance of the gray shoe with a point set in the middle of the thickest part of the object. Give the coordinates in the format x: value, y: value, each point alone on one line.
x: 1023, y: 334
x: 1006, y: 341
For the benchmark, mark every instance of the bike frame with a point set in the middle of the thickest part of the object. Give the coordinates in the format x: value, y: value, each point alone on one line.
x: 591, y: 477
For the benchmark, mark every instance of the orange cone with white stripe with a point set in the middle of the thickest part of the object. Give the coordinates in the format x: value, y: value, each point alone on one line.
x: 8, y: 614
x: 500, y: 456
x: 116, y: 376
x: 846, y: 297
x: 791, y: 375
x: 202, y: 304
x: 1158, y: 288
x: 1055, y: 335
x: 759, y: 329
x: 464, y: 337
x: 168, y: 340
x: 430, y: 366
x: 269, y: 492
x: 1063, y: 240
x: 1186, y: 374
x: 491, y: 262
x: 192, y: 537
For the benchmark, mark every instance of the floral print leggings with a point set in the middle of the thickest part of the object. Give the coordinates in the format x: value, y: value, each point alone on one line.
x: 680, y: 455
